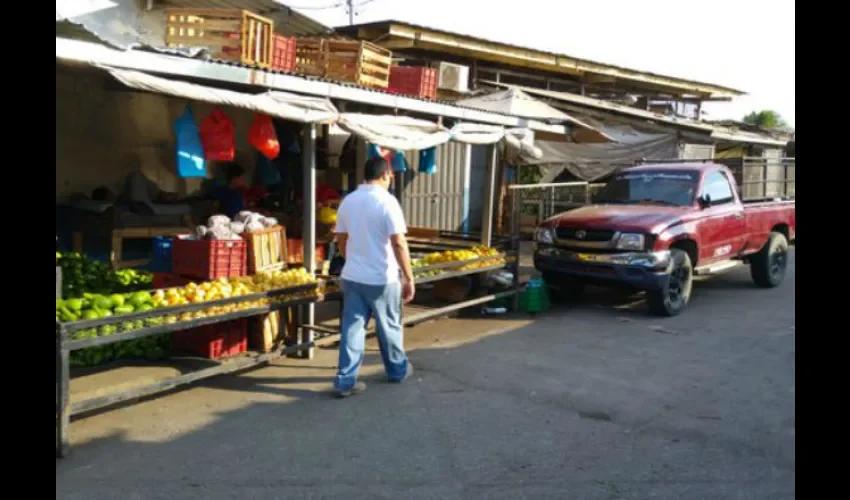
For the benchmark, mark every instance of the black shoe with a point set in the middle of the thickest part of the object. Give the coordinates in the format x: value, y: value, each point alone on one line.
x: 357, y: 388
x: 406, y: 375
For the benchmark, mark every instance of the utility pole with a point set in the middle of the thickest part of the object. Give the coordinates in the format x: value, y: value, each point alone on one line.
x: 350, y: 12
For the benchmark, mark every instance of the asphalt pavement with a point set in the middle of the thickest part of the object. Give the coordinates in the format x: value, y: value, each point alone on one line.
x: 597, y: 400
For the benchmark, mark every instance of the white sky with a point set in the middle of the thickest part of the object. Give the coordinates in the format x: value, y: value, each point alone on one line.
x: 744, y: 44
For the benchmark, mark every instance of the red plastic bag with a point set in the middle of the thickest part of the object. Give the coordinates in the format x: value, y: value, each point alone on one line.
x: 263, y: 136
x: 217, y: 136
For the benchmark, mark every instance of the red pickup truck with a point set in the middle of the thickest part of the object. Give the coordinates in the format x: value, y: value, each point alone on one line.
x: 654, y: 227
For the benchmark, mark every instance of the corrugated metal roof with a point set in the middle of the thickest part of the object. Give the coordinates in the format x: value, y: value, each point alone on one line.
x: 720, y: 133
x: 387, y: 23
x: 154, y: 62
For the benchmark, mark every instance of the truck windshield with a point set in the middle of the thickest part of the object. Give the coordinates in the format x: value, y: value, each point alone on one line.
x: 664, y: 187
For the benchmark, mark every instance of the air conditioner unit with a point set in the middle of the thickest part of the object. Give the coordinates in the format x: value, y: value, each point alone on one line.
x: 453, y: 77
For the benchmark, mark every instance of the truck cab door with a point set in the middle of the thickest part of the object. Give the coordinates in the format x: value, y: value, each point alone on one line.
x: 722, y: 227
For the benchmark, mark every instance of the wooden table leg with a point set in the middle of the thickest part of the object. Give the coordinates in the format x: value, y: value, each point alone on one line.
x: 77, y: 242
x: 115, y: 254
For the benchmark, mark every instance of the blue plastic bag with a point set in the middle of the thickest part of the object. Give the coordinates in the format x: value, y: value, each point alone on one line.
x: 190, y: 150
x: 399, y: 163
x: 428, y: 161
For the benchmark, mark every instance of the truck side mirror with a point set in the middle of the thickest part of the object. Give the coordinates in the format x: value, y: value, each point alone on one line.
x: 704, y: 201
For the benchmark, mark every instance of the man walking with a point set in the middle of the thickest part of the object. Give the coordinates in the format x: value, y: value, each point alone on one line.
x: 371, y: 232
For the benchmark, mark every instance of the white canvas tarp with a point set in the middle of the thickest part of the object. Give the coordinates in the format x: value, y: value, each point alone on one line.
x: 279, y: 104
x: 514, y: 101
x: 400, y: 133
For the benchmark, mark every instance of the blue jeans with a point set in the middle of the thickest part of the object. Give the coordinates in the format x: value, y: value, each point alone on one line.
x: 360, y: 303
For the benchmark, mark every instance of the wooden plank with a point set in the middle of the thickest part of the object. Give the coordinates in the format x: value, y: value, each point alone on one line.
x: 213, y: 25
x: 205, y: 40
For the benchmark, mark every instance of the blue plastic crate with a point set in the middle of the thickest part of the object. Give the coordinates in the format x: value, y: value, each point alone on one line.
x: 161, y: 262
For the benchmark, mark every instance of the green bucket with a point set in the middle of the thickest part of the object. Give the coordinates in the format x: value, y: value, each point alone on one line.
x: 535, y: 298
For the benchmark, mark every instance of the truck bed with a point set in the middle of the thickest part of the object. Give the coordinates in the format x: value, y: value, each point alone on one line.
x: 764, y: 216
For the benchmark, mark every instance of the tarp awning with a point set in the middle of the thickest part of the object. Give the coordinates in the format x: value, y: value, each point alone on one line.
x: 279, y: 104
x: 514, y: 101
x: 592, y: 162
x: 401, y: 133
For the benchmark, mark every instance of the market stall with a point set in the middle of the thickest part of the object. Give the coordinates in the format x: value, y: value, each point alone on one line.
x: 96, y: 322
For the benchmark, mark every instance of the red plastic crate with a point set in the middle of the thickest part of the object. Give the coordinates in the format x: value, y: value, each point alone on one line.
x: 283, y: 53
x: 213, y: 341
x: 209, y: 259
x: 416, y: 81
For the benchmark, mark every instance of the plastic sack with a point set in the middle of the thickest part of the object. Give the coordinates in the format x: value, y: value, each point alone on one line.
x: 375, y: 151
x: 263, y: 136
x: 428, y: 161
x: 399, y: 162
x: 217, y: 137
x: 190, y: 151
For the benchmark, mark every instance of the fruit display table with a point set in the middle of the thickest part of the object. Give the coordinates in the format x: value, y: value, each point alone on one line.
x: 107, y: 321
x: 449, y: 255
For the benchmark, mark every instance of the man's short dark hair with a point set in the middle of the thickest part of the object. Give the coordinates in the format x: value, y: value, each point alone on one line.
x: 374, y: 168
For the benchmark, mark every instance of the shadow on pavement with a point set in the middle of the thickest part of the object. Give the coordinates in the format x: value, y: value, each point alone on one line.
x: 581, y: 403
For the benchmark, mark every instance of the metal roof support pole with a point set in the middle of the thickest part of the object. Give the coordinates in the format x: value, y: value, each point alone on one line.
x: 467, y: 176
x: 309, y: 232
x: 489, y: 197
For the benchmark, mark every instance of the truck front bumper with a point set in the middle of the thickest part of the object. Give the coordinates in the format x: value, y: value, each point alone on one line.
x: 642, y: 270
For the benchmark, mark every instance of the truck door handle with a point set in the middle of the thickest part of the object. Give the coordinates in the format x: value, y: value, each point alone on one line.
x: 739, y: 216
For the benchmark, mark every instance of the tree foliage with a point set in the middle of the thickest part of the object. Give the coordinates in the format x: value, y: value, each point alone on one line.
x: 766, y: 118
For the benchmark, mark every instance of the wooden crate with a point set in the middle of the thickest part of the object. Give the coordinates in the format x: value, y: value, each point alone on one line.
x: 267, y: 249
x: 356, y: 61
x: 310, y: 56
x: 271, y: 330
x: 231, y: 34
x: 264, y: 332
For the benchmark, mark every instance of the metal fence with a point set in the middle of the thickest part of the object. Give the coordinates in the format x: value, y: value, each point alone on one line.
x: 757, y: 177
x: 760, y: 178
x: 533, y: 203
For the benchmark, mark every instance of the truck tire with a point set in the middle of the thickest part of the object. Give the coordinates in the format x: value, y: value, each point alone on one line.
x: 563, y: 289
x: 767, y: 267
x: 673, y: 298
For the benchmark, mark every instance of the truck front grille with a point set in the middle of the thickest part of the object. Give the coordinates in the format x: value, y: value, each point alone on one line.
x: 590, y: 235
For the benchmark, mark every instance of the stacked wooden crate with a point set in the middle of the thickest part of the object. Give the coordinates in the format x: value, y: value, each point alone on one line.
x: 231, y: 34
x: 356, y: 61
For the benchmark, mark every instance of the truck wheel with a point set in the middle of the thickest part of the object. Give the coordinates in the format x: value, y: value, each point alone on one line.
x: 672, y: 299
x: 767, y: 267
x: 564, y: 289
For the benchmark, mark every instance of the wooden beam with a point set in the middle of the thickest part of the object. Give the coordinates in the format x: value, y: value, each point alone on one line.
x: 397, y: 44
x: 592, y: 78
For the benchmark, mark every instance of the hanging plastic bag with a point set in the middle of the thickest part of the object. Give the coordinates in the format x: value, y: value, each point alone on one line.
x: 190, y: 151
x: 375, y: 151
x: 399, y: 162
x: 263, y: 136
x: 428, y: 161
x: 217, y: 137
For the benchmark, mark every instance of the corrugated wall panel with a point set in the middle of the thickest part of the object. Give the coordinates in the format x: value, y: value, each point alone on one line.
x: 436, y: 200
x: 691, y: 151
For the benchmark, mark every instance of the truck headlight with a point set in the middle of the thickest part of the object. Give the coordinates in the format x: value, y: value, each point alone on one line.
x: 544, y: 235
x: 631, y: 241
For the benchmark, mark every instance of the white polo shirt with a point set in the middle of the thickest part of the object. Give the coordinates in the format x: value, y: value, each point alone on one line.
x: 370, y: 216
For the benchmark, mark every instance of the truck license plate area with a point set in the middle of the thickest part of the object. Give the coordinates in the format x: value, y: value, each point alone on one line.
x: 601, y: 270
x: 587, y: 257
